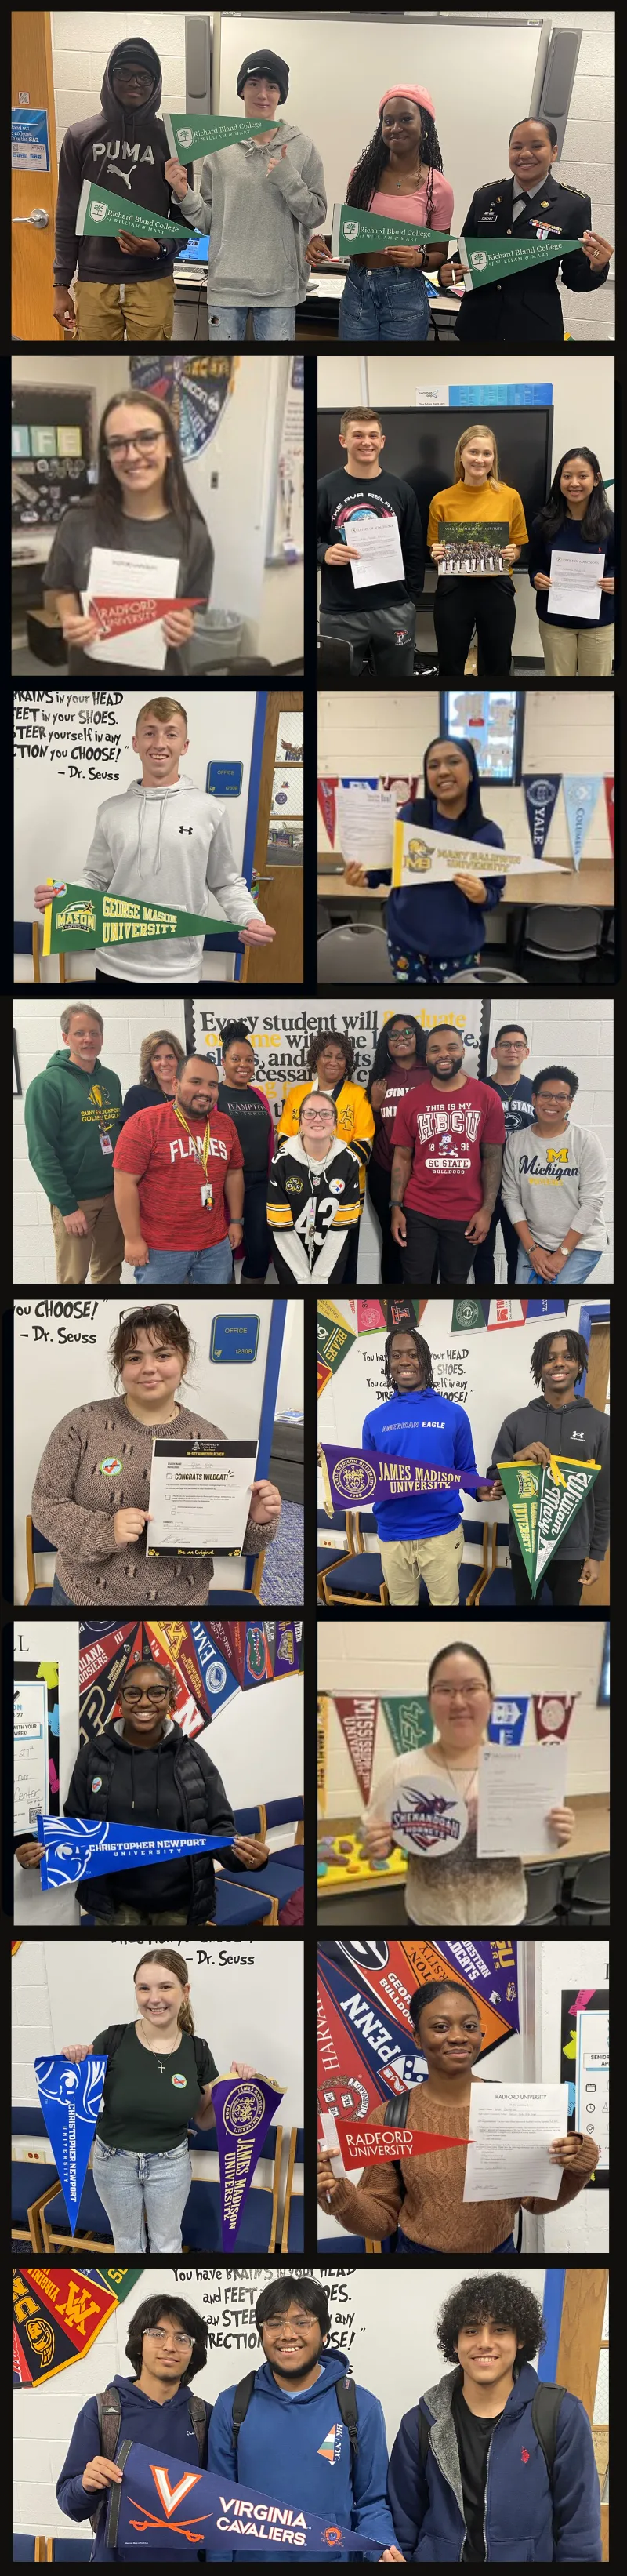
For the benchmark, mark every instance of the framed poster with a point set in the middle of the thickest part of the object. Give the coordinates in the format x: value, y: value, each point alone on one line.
x: 36, y: 1744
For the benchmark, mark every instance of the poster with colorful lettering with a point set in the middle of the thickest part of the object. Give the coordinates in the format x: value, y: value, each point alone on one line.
x: 74, y: 1852
x: 80, y: 916
x: 57, y: 2316
x: 70, y: 2099
x: 163, y: 2508
x: 244, y: 2107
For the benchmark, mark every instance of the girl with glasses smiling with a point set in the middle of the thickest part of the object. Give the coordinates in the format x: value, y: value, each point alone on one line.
x: 142, y: 505
x: 455, y: 1887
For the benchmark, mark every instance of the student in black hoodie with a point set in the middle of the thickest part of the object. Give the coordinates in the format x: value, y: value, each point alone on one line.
x: 142, y: 1770
x: 561, y: 1424
x: 125, y: 149
x: 379, y: 621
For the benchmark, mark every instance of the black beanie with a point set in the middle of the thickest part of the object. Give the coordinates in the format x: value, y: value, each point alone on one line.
x: 137, y: 50
x: 261, y: 60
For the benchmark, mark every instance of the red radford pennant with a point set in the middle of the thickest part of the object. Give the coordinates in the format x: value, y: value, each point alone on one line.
x: 120, y: 616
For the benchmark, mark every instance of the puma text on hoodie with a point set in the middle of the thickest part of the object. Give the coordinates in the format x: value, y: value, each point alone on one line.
x: 168, y: 845
x: 125, y: 149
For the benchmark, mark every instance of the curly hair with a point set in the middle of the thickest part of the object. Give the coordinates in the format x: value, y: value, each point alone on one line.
x: 494, y: 2298
x: 368, y: 172
x: 427, y: 1994
x: 275, y: 2299
x: 576, y: 1347
x: 148, y: 1048
x: 459, y: 1647
x: 382, y: 1060
x: 164, y: 1322
x: 331, y: 1037
x: 150, y: 2313
x: 421, y: 1349
x: 556, y: 1073
x: 598, y: 519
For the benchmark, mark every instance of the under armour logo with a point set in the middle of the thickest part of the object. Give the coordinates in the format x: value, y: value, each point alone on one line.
x: 186, y: 827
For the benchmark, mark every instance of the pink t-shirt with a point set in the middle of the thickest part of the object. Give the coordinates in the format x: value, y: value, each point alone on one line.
x: 412, y: 209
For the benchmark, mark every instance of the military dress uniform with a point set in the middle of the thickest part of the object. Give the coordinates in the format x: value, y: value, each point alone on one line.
x: 525, y: 310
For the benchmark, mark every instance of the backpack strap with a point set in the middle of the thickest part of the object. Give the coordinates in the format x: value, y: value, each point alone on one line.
x: 116, y: 2034
x: 545, y: 2419
x: 346, y: 2394
x: 397, y: 2112
x: 115, y: 2497
x: 199, y: 2417
x: 109, y: 2408
x: 241, y: 2403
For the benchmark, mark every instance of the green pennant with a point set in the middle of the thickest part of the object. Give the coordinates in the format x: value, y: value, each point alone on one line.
x: 356, y: 230
x: 468, y: 1315
x: 80, y: 916
x: 334, y: 1335
x: 409, y: 1722
x: 101, y: 211
x: 543, y: 1503
x: 488, y: 261
x: 188, y: 136
x: 121, y: 2282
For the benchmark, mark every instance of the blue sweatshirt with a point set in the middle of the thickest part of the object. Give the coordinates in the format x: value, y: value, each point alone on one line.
x: 166, y: 2428
x: 427, y: 1426
x: 438, y: 920
x: 298, y: 2449
x: 571, y: 535
x: 526, y: 2514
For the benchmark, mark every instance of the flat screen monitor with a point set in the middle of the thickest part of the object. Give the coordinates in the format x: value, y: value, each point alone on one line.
x: 492, y: 719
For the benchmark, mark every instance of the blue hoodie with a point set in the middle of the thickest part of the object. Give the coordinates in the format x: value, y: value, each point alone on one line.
x: 166, y: 2428
x: 439, y: 920
x: 526, y: 2515
x: 298, y: 2449
x: 421, y: 1424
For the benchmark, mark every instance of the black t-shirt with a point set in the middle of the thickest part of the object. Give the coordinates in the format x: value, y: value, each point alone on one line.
x: 148, y: 2100
x: 516, y: 1099
x: 342, y: 497
x: 474, y: 2435
x: 252, y: 1121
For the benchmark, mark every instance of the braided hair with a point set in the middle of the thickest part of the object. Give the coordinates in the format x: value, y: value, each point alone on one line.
x: 365, y: 178
x: 577, y: 1350
x: 421, y: 1349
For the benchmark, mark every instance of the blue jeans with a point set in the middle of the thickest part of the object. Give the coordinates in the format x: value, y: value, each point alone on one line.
x: 144, y: 2196
x: 60, y: 1598
x: 578, y: 1266
x: 405, y: 2248
x: 269, y: 321
x: 378, y: 304
x: 209, y: 1268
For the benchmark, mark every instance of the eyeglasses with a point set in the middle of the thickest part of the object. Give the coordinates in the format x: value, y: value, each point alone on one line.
x: 161, y: 2334
x: 403, y: 1032
x: 145, y: 441
x: 554, y: 1099
x: 274, y: 2325
x: 156, y: 1693
x: 458, y: 1690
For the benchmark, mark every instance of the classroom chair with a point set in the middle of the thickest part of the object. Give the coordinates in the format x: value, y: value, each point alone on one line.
x: 37, y: 1545
x: 587, y: 1896
x: 94, y: 2234
x: 562, y: 933
x: 285, y: 1868
x: 201, y: 2216
x: 292, y: 2234
x: 327, y: 1560
x: 62, y: 2548
x: 28, y: 2123
x: 354, y: 953
x: 25, y: 2545
x: 358, y: 1580
x: 544, y: 1891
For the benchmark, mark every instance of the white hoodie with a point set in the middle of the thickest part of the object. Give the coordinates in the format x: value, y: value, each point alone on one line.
x: 169, y: 845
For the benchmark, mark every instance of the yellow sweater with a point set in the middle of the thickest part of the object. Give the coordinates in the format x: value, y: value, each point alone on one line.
x: 355, y: 1121
x: 459, y: 502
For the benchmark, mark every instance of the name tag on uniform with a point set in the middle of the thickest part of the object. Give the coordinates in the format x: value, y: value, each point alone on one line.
x: 206, y: 1195
x: 105, y: 1144
x: 542, y: 230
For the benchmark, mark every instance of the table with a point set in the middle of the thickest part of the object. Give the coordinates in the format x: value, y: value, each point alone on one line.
x: 592, y: 883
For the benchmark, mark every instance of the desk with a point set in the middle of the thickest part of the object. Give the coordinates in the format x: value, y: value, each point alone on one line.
x: 592, y: 883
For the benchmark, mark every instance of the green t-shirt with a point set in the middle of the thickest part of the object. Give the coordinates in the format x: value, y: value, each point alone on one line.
x: 148, y: 2101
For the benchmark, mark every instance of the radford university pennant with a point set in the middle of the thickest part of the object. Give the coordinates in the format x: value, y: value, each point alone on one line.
x: 359, y: 2145
x: 358, y: 1721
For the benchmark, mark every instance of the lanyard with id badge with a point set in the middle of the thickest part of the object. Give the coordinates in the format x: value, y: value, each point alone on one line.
x: 200, y: 1153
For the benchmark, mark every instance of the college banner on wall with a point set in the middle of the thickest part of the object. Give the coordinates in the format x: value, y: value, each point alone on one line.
x: 609, y: 808
x: 209, y: 1664
x: 580, y: 798
x: 365, y: 2058
x: 553, y: 1711
x: 245, y: 2107
x: 57, y: 2316
x: 409, y: 1722
x: 541, y: 796
x: 506, y: 1723
x: 70, y: 2099
x: 543, y: 1503
x: 358, y: 1721
x: 164, y: 2508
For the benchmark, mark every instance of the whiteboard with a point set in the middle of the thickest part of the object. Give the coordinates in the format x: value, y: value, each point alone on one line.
x: 480, y: 77
x: 61, y: 1346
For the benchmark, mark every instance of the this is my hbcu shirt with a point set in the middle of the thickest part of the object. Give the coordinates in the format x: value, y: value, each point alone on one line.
x: 158, y: 1151
x: 446, y: 1130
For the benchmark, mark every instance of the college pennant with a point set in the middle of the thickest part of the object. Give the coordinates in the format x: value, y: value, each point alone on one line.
x: 160, y: 2503
x: 334, y: 1336
x: 80, y: 916
x: 72, y: 1852
x: 580, y: 798
x: 541, y: 795
x: 354, y: 1480
x: 244, y: 2107
x: 358, y: 1721
x: 362, y: 2146
x: 189, y: 136
x: 543, y: 1503
x: 101, y: 211
x: 488, y: 261
x: 409, y: 1723
x: 327, y: 800
x: 257, y: 1656
x: 57, y: 2316
x: 609, y: 808
x: 553, y: 1711
x: 357, y: 230
x: 70, y: 2098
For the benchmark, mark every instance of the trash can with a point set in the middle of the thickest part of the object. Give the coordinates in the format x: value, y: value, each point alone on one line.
x: 217, y: 638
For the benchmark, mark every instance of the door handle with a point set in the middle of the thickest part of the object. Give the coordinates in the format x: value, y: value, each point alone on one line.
x: 37, y: 216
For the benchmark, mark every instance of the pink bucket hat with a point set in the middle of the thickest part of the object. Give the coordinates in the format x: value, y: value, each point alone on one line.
x: 402, y: 89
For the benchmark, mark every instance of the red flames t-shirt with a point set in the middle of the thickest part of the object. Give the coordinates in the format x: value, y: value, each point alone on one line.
x: 446, y: 1130
x: 160, y: 1153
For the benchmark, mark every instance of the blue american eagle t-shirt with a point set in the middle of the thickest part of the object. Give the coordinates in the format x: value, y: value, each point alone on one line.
x: 431, y: 1428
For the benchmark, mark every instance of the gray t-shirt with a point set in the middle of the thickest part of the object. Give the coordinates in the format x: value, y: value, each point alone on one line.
x: 68, y: 563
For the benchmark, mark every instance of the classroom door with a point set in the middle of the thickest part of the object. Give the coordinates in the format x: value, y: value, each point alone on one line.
x: 32, y: 247
x: 597, y: 1382
x: 280, y: 882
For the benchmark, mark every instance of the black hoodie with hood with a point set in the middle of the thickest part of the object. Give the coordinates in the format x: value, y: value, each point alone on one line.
x: 573, y: 1430
x: 172, y: 1784
x: 126, y: 149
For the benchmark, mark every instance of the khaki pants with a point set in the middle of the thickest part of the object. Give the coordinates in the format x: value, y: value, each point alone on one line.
x: 404, y: 1560
x: 585, y: 649
x: 101, y: 1251
x: 146, y: 314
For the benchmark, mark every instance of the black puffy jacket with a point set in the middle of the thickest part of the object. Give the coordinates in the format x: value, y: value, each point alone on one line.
x: 174, y: 1785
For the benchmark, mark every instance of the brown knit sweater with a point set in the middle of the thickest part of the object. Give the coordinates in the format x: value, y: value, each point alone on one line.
x: 425, y: 2193
x: 74, y: 1505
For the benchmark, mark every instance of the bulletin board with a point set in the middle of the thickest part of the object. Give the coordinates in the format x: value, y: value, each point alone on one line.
x: 281, y: 1036
x: 584, y: 2066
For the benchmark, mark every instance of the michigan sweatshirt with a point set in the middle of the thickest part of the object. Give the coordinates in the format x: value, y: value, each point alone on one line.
x: 67, y: 1113
x: 259, y: 219
x: 557, y: 1182
x: 169, y: 845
